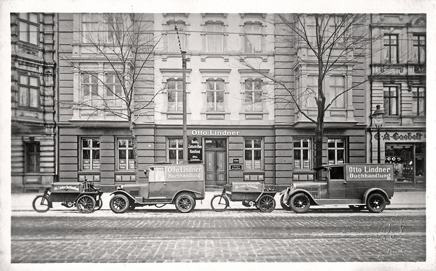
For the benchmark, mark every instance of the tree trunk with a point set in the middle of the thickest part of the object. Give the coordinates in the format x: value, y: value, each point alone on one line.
x: 135, y: 148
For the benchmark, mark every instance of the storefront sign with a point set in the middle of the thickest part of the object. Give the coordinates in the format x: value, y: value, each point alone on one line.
x: 235, y: 167
x: 214, y: 133
x: 195, y: 154
x: 369, y: 172
x: 398, y: 136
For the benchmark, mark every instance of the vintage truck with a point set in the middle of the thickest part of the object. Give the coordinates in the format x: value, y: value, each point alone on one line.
x: 180, y: 185
x: 355, y: 185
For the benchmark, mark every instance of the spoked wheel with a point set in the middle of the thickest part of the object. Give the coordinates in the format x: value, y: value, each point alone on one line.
x: 41, y: 204
x: 300, y: 203
x: 356, y: 208
x: 266, y: 203
x: 284, y: 206
x: 98, y: 204
x: 376, y: 203
x: 119, y: 203
x: 219, y: 203
x: 85, y: 204
x: 185, y: 203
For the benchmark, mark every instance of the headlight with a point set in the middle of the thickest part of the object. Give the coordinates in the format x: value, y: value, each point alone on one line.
x: 121, y: 187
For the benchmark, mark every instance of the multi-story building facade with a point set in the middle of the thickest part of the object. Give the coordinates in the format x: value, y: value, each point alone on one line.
x: 397, y: 75
x: 33, y: 75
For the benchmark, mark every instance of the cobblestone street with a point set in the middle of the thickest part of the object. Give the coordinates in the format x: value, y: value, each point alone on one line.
x: 205, y: 236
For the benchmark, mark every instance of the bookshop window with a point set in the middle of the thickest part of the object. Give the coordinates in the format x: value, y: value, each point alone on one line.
x: 302, y: 153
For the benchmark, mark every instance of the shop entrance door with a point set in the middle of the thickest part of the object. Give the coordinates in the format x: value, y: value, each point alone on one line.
x: 216, y: 161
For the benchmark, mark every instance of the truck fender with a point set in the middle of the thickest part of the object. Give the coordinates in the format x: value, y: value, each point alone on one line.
x: 371, y: 190
x: 295, y: 191
x: 122, y: 192
x: 195, y: 193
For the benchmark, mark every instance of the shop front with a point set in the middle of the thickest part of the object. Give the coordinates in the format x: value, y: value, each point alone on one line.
x: 406, y: 151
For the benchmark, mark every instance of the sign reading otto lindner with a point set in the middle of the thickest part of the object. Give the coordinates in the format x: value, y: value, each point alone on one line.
x: 369, y: 172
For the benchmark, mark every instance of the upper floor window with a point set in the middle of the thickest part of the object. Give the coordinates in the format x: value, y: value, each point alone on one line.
x: 336, y: 151
x: 253, y: 95
x: 418, y: 101
x: 175, y: 95
x: 337, y: 88
x: 253, y: 154
x: 32, y: 156
x: 302, y: 153
x: 175, y: 150
x: 89, y: 87
x: 390, y: 48
x: 253, y: 37
x: 309, y: 94
x: 176, y: 38
x: 28, y: 91
x: 28, y: 27
x: 115, y: 28
x: 215, y: 95
x: 419, y: 49
x: 90, y: 29
x: 391, y: 100
x: 90, y: 150
x: 214, y: 37
x: 126, y: 159
x: 114, y: 92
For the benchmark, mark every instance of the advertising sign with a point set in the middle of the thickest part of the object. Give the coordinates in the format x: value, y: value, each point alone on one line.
x: 176, y: 173
x: 369, y: 172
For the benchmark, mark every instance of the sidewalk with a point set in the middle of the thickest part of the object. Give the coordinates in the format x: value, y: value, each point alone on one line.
x: 400, y: 200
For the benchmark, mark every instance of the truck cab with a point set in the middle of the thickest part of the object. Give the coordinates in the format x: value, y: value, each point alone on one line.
x: 355, y: 185
x: 180, y: 185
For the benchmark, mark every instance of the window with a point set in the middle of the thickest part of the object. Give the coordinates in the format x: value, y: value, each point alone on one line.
x: 32, y: 152
x: 175, y: 94
x: 28, y: 91
x: 419, y: 49
x: 175, y: 150
x: 90, y: 154
x: 126, y: 159
x: 215, y: 95
x: 253, y: 95
x: 89, y: 87
x: 337, y: 88
x: 336, y: 151
x: 28, y: 27
x: 337, y: 173
x: 391, y: 100
x: 114, y: 28
x: 253, y: 37
x: 418, y: 101
x: 302, y: 153
x: 114, y: 92
x: 253, y: 154
x: 174, y: 40
x: 214, y: 37
x: 89, y: 29
x: 310, y: 93
x: 390, y: 43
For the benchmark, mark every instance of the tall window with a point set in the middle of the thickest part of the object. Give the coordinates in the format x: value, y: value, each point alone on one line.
x: 28, y: 27
x: 253, y: 154
x: 90, y: 154
x: 336, y: 151
x: 28, y: 91
x: 114, y: 91
x: 419, y: 48
x: 173, y: 38
x: 175, y: 94
x: 253, y: 95
x: 310, y: 93
x: 215, y: 95
x: 253, y: 37
x: 114, y: 27
x: 32, y: 162
x: 390, y: 43
x: 89, y: 87
x: 126, y: 159
x: 214, y: 37
x: 302, y: 153
x: 418, y: 101
x: 337, y: 88
x: 175, y: 150
x: 391, y: 100
x: 89, y: 29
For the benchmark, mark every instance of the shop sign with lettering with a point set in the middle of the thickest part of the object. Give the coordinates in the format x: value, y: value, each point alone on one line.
x: 402, y: 136
x: 214, y: 133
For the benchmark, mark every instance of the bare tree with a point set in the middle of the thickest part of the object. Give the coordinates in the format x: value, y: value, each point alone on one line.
x: 126, y: 47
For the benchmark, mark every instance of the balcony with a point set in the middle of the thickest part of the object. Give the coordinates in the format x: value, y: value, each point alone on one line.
x: 388, y: 69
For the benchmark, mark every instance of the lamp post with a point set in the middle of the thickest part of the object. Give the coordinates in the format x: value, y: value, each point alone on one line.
x: 377, y: 118
x: 185, y: 134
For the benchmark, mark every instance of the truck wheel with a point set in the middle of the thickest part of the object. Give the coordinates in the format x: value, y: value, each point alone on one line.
x: 119, y: 204
x: 85, y: 204
x: 185, y: 203
x: 266, y: 203
x: 376, y: 203
x: 284, y: 206
x: 300, y: 203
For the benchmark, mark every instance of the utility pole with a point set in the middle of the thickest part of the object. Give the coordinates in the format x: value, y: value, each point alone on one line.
x: 185, y: 133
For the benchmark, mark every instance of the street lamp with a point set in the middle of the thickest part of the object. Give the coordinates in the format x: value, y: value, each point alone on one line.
x: 377, y: 118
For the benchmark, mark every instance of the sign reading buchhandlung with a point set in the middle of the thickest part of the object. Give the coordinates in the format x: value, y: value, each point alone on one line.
x: 369, y: 172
